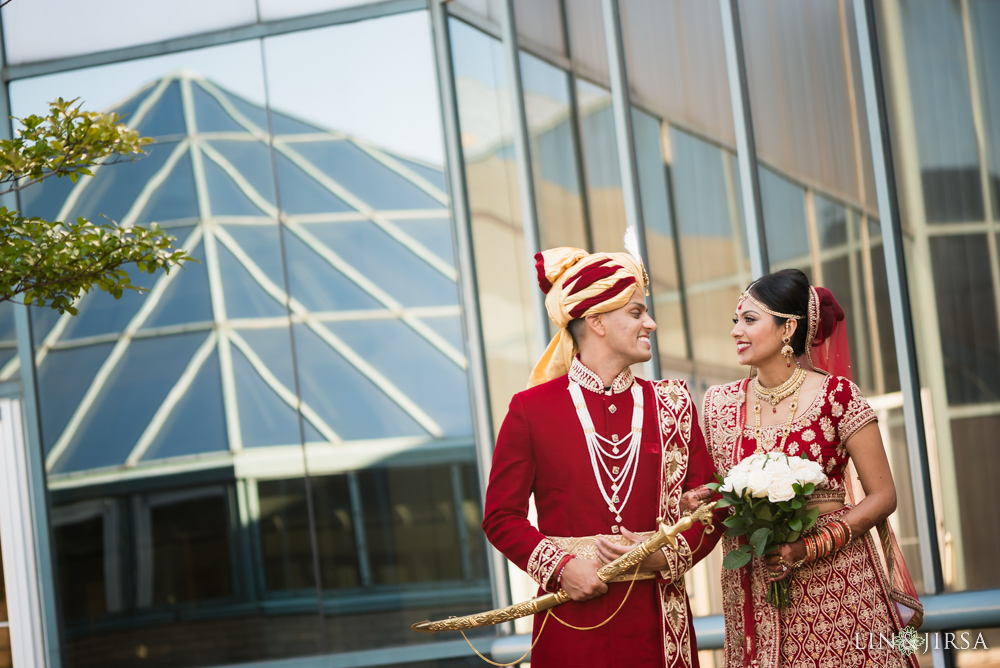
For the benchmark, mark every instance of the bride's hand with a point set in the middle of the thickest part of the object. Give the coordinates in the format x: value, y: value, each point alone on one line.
x: 779, y: 562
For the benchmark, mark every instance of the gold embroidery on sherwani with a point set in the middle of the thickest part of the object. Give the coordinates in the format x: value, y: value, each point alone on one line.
x: 675, y: 413
x: 585, y: 547
x: 543, y: 561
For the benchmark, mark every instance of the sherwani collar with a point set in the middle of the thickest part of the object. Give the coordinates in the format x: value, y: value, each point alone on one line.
x: 581, y: 374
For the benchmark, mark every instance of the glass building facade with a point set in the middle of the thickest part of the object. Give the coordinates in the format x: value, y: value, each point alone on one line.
x: 276, y: 456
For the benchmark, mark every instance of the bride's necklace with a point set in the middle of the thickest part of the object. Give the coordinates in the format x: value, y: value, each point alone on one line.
x: 794, y: 391
x: 775, y: 395
x: 619, y: 472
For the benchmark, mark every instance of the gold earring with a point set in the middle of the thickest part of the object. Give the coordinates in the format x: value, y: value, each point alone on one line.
x: 787, y: 350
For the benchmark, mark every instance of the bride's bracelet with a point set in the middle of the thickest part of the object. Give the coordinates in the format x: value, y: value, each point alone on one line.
x: 825, y: 540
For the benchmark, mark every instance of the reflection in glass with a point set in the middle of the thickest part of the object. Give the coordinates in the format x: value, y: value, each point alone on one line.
x: 715, y: 263
x: 677, y: 65
x: 505, y: 275
x: 661, y: 244
x: 785, y: 224
x: 5, y: 655
x: 119, y: 23
x: 805, y: 86
x: 190, y: 548
x: 285, y: 545
x: 553, y: 154
x: 601, y: 168
x: 968, y: 318
x: 587, y: 42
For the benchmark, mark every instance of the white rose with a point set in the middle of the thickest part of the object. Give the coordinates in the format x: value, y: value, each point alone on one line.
x: 805, y: 471
x: 736, y: 481
x: 778, y: 468
x: 758, y: 481
x: 781, y: 489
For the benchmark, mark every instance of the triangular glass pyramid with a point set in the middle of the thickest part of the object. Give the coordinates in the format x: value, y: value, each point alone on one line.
x: 63, y: 379
x: 244, y: 296
x: 253, y: 161
x: 226, y: 198
x: 130, y: 397
x: 350, y: 402
x: 301, y: 194
x: 166, y: 116
x: 196, y: 424
x: 187, y: 298
x: 412, y: 364
x: 175, y: 199
x: 317, y: 285
x: 265, y: 419
x: 209, y: 114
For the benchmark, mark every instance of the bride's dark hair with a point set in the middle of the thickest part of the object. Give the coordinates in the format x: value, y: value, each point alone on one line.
x: 786, y: 291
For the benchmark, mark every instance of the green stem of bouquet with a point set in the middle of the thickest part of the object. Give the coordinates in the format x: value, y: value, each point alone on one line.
x: 779, y: 594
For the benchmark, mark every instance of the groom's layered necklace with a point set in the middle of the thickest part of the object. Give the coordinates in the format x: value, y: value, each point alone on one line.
x: 604, y: 450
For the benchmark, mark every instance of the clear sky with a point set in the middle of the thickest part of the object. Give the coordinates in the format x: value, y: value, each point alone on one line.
x: 373, y: 79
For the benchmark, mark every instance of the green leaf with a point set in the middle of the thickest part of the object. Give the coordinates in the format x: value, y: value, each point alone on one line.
x: 722, y: 503
x: 759, y: 540
x: 795, y: 524
x: 736, y: 559
x: 763, y: 512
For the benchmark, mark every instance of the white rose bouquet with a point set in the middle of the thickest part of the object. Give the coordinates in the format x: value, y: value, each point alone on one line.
x: 768, y: 495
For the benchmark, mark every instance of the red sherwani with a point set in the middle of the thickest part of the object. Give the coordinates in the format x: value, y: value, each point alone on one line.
x: 541, y: 450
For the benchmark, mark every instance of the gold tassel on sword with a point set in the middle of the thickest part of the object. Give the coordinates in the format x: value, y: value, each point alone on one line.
x: 664, y: 536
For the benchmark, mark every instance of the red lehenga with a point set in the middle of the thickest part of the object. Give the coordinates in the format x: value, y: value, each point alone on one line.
x: 843, y: 605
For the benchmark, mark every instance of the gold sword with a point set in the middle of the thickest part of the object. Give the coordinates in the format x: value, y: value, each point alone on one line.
x: 664, y: 536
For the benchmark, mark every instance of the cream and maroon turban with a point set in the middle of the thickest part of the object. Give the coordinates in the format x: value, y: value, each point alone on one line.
x: 576, y: 284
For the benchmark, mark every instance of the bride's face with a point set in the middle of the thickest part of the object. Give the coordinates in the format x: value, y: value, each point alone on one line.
x: 757, y: 335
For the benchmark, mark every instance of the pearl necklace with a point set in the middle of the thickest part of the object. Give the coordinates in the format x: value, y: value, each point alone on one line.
x: 618, y: 474
x: 775, y: 395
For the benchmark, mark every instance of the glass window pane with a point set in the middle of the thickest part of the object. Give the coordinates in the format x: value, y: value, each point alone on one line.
x: 433, y: 233
x: 540, y: 24
x: 671, y: 336
x: 984, y: 23
x: 352, y: 404
x: 127, y: 401
x: 942, y: 111
x: 359, y: 170
x: 286, y: 548
x: 802, y: 88
x: 5, y: 655
x: 784, y: 222
x: 63, y: 378
x: 714, y: 258
x: 30, y: 34
x: 190, y: 550
x: 600, y: 157
x: 967, y: 318
x: 410, y: 525
x: 553, y: 154
x: 196, y: 425
x: 80, y: 557
x: 412, y: 363
x: 504, y: 273
x: 587, y: 44
x: 975, y: 465
x: 677, y: 63
x: 335, y: 531
x: 265, y: 418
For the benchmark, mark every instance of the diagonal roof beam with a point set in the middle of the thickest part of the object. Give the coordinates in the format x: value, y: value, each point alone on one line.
x: 140, y: 113
x: 357, y: 361
x: 97, y: 384
x: 289, y: 397
x: 376, y: 217
x: 173, y: 397
x: 362, y: 281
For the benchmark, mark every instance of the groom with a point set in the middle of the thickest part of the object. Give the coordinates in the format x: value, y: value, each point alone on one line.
x: 604, y: 454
